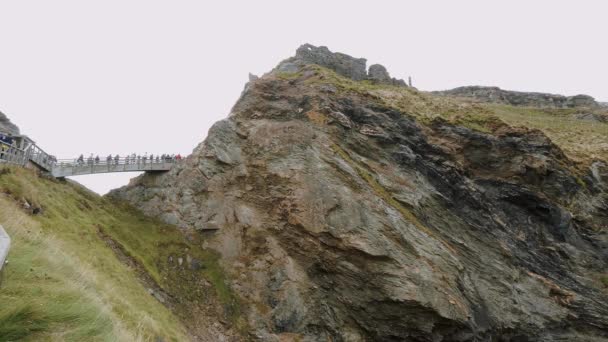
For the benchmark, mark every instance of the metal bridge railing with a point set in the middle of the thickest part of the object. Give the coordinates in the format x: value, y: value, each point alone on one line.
x: 114, y: 161
x: 12, y: 155
x: 66, y: 167
x: 74, y: 167
x: 43, y: 159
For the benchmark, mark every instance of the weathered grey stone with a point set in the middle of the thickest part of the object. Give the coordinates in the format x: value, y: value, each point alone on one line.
x: 392, y: 230
x: 6, y: 126
x: 342, y: 119
x: 517, y: 98
x: 341, y: 63
x: 593, y: 117
x: 379, y: 74
x: 288, y: 67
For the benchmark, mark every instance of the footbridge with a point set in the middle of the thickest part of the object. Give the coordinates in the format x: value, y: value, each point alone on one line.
x: 76, y: 167
x: 21, y: 150
x: 34, y: 157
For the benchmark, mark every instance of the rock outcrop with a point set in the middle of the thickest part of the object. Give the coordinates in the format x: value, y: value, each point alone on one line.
x: 516, y: 98
x: 6, y: 126
x: 339, y: 218
x: 345, y: 65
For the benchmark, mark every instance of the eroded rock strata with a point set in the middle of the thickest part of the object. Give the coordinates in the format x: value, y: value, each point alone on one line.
x: 341, y: 219
x: 518, y: 98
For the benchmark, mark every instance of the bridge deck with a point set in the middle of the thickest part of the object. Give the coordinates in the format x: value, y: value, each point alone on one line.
x: 66, y: 169
x: 34, y: 155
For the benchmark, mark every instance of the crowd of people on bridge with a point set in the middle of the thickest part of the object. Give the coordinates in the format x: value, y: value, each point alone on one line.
x: 129, y: 159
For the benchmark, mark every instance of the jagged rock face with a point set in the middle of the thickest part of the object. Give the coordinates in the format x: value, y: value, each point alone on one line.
x: 339, y: 219
x: 516, y: 98
x: 342, y: 64
x: 6, y: 126
x: 379, y: 74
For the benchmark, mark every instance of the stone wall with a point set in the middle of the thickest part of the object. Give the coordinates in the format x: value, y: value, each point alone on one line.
x: 6, y: 126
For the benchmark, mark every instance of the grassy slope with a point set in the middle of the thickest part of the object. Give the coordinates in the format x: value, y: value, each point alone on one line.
x: 583, y: 141
x: 63, y: 282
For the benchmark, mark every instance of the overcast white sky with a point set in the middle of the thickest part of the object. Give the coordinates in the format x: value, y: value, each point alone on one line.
x: 122, y: 76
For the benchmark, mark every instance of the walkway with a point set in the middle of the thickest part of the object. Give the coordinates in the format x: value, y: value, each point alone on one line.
x: 72, y: 167
x: 66, y: 168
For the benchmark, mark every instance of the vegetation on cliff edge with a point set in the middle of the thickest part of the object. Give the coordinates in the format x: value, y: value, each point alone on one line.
x: 64, y: 281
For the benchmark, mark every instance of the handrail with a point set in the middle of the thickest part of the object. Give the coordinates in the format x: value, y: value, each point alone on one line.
x: 5, y: 245
x: 12, y: 154
x: 11, y: 146
x: 114, y: 161
x: 66, y: 167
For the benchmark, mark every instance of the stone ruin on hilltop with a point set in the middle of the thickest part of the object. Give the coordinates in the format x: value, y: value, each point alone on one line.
x: 343, y: 64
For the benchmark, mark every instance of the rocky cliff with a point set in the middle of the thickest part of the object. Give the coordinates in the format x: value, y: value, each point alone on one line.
x: 346, y: 210
x: 517, y: 98
x: 6, y: 126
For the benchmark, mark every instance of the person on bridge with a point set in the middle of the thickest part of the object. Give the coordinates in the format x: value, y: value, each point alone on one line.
x: 178, y: 157
x: 127, y: 159
x: 109, y: 159
x: 116, y: 159
x: 97, y: 159
x: 3, y: 149
x: 80, y: 159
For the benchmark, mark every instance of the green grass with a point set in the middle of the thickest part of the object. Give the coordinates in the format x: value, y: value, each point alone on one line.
x: 289, y: 75
x: 410, y: 101
x: 583, y: 141
x: 64, y: 283
x: 580, y: 139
